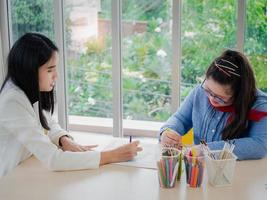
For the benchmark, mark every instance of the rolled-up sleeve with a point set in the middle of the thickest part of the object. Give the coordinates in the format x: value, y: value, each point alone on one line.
x: 181, y: 120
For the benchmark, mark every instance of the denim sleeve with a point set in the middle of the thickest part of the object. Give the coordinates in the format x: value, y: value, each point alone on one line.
x: 181, y: 121
x: 252, y: 147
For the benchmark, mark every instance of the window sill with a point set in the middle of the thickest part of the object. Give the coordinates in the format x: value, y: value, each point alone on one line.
x: 105, y: 126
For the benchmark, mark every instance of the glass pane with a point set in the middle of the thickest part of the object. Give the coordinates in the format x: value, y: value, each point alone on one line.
x: 256, y: 40
x: 88, y: 64
x: 146, y: 53
x: 32, y: 16
x: 208, y: 27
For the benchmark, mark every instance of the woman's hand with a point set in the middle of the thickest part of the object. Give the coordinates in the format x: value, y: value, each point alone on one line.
x: 68, y: 144
x: 171, y: 138
x: 120, y: 154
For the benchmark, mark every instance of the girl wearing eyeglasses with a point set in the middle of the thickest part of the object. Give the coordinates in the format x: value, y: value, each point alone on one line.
x: 26, y: 108
x: 226, y: 106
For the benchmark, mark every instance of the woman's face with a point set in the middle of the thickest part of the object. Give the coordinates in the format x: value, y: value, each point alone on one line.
x: 219, y: 95
x: 48, y: 74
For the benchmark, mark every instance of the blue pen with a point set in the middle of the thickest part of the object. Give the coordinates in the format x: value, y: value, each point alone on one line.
x: 130, y: 138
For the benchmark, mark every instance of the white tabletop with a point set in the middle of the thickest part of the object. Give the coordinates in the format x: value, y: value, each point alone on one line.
x: 31, y: 180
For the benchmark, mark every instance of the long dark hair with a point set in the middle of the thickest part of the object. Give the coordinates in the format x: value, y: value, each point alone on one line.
x: 242, y: 84
x: 28, y: 53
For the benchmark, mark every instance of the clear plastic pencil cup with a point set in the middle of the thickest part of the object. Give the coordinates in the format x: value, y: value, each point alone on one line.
x: 194, y: 160
x: 168, y: 166
x: 221, y: 171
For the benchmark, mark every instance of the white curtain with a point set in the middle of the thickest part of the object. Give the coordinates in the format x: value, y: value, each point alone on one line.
x: 1, y: 62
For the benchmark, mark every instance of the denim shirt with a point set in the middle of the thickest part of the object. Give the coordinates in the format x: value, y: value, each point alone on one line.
x: 196, y: 112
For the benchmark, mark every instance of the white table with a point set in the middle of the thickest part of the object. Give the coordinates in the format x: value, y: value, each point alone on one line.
x: 31, y: 180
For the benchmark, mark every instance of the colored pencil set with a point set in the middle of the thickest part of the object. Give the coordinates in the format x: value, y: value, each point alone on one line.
x: 194, y: 160
x: 168, y: 167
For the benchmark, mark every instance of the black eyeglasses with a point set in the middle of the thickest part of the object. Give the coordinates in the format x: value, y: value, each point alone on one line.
x: 214, y: 96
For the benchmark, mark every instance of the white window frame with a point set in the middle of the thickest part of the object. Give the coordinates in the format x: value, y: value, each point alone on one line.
x: 176, y: 55
x: 61, y: 97
x: 117, y: 69
x: 241, y: 20
x: 2, y: 72
x: 4, y: 37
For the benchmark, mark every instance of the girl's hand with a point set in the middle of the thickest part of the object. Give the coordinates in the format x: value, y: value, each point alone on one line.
x: 120, y: 154
x: 68, y: 144
x: 171, y: 138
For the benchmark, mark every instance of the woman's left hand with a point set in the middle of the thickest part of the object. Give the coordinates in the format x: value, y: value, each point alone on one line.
x: 68, y: 144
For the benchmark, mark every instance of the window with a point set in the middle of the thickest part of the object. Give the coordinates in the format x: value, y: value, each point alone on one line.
x: 256, y: 40
x: 146, y: 59
x: 147, y: 52
x: 208, y: 27
x: 88, y: 64
x: 31, y: 16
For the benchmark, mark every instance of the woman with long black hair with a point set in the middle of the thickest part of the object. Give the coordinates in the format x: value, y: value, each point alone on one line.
x: 26, y: 107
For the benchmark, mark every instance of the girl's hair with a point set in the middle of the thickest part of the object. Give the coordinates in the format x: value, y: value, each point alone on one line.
x: 30, y: 52
x: 233, y: 68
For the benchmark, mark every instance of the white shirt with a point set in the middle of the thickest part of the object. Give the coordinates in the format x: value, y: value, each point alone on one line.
x: 22, y: 135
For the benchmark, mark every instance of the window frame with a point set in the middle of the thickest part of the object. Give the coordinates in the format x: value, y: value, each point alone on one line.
x: 4, y: 36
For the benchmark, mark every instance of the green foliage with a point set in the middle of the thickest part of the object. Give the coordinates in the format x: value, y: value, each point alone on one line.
x: 32, y: 16
x: 256, y: 40
x: 209, y: 27
x: 260, y: 62
x: 90, y: 84
x: 138, y: 9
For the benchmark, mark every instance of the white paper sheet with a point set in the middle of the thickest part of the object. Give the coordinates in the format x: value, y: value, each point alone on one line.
x: 145, y: 159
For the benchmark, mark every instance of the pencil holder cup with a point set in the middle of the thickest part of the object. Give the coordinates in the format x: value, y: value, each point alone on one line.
x: 194, y: 160
x: 168, y: 167
x: 221, y: 170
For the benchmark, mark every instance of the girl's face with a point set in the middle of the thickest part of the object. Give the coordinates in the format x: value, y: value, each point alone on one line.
x: 48, y: 74
x: 219, y: 95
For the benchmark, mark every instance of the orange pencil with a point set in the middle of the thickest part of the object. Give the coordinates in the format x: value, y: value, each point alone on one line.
x: 193, y: 172
x: 196, y: 177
